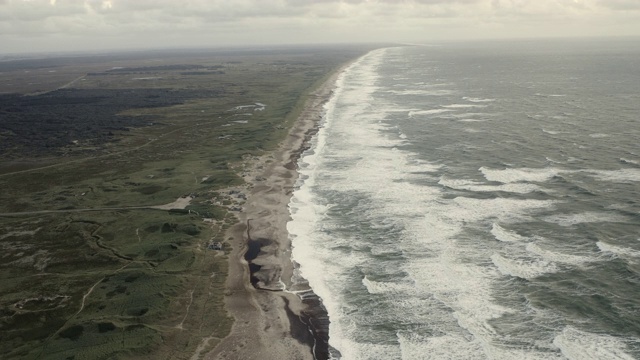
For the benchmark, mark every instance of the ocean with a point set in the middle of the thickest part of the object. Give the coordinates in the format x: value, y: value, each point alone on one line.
x: 478, y: 201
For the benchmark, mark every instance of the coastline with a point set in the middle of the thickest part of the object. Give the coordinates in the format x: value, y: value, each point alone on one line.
x: 271, y: 323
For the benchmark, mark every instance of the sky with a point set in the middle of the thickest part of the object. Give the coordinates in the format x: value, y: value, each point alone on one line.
x: 88, y: 25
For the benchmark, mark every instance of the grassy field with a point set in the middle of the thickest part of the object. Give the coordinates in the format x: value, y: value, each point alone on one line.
x: 88, y: 268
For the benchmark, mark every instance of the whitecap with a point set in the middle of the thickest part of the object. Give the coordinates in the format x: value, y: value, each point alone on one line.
x: 471, y: 209
x: 472, y: 120
x: 622, y: 252
x: 552, y: 160
x: 619, y: 176
x: 519, y: 174
x: 463, y: 106
x: 523, y: 268
x: 628, y: 161
x: 518, y: 188
x: 585, y: 217
x: 581, y: 345
x: 449, y: 347
x: 478, y: 100
x: 427, y: 112
x: 599, y: 135
x: 468, y: 115
x: 422, y: 92
x: 505, y: 235
x: 380, y: 287
x: 557, y: 256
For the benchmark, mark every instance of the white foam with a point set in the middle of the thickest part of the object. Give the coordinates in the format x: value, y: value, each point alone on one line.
x: 353, y: 89
x: 379, y: 287
x: 550, y: 95
x: 504, y: 235
x: 585, y: 217
x: 620, y: 176
x: 471, y: 209
x: 459, y: 347
x: 415, y: 347
x: 427, y: 112
x: 628, y: 161
x: 523, y: 268
x: 463, y: 106
x: 599, y: 135
x: 425, y: 85
x: 580, y: 345
x: 464, y: 286
x: 446, y: 285
x: 353, y: 350
x: 468, y: 115
x: 519, y: 174
x: 478, y: 100
x: 557, y: 257
x: 460, y: 184
x: 472, y: 120
x: 425, y: 92
x: 622, y: 252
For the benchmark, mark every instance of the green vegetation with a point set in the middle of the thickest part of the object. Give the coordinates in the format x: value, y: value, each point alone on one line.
x: 89, y: 268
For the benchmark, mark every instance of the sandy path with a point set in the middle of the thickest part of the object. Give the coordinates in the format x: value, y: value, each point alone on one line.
x: 180, y: 204
x: 266, y: 322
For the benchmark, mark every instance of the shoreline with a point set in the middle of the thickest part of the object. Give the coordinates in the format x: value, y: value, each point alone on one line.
x: 271, y: 320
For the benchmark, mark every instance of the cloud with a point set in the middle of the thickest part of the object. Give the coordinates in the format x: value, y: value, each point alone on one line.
x: 621, y: 5
x: 241, y: 9
x: 153, y: 22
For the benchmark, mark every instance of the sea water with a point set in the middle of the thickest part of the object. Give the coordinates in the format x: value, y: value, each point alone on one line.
x: 478, y: 201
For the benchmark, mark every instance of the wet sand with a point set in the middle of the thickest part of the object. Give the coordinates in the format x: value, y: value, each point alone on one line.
x: 271, y: 323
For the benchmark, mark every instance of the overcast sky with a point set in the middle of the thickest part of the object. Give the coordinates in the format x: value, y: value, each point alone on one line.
x: 51, y: 25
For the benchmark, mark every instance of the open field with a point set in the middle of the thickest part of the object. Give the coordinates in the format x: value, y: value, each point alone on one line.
x: 91, y: 265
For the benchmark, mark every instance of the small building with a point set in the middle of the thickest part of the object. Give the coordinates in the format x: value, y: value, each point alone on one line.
x: 215, y: 246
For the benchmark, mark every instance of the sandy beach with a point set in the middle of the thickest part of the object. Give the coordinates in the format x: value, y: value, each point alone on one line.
x: 271, y: 323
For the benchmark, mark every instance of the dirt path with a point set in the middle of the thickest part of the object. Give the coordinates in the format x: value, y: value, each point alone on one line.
x: 84, y: 298
x: 58, y: 88
x: 179, y: 326
x: 179, y: 204
x: 40, y: 212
